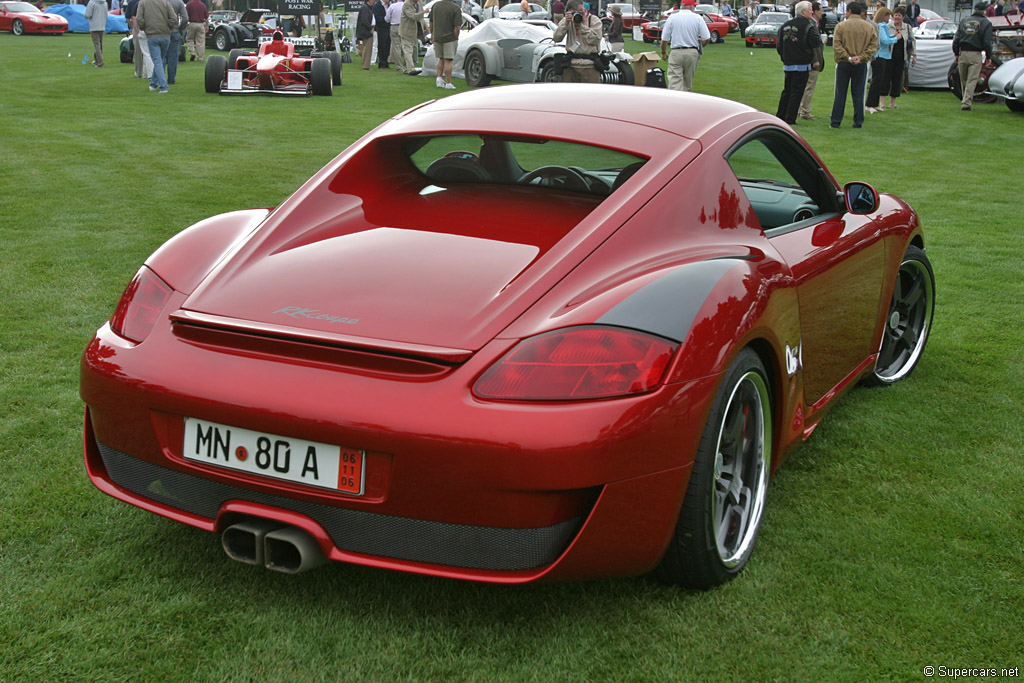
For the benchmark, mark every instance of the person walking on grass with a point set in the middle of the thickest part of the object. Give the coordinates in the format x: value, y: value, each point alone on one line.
x: 854, y: 43
x: 445, y: 24
x: 817, y: 66
x: 797, y: 40
x: 195, y: 34
x: 96, y: 13
x: 972, y: 46
x: 157, y: 19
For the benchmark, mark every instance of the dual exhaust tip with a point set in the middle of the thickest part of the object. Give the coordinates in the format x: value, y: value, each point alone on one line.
x: 272, y: 545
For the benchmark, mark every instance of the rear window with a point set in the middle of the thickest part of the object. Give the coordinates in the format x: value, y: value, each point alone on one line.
x: 517, y: 160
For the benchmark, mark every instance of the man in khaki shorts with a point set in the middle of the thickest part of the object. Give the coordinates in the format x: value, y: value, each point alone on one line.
x: 445, y: 23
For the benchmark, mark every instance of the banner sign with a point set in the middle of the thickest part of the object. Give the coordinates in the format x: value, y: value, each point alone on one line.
x: 299, y: 6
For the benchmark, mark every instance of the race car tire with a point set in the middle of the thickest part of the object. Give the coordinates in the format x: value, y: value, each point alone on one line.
x: 715, y: 37
x: 216, y: 72
x: 221, y: 40
x: 335, y: 60
x: 17, y: 28
x: 233, y: 58
x: 648, y: 40
x: 1014, y: 105
x: 476, y: 70
x: 320, y: 76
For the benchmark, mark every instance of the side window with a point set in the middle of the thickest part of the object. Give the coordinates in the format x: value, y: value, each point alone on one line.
x: 782, y: 182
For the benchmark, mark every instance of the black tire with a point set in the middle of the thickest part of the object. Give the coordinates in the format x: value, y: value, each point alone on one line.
x: 750, y: 44
x: 221, y: 41
x: 1014, y: 105
x: 721, y: 513
x: 216, y: 72
x: 715, y: 37
x: 626, y: 75
x: 648, y: 40
x: 908, y: 321
x: 320, y: 76
x: 335, y: 60
x: 548, y: 75
x: 18, y: 27
x: 475, y: 68
x: 233, y: 58
x: 980, y: 96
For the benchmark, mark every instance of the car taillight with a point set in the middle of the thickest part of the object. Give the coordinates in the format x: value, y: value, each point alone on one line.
x: 140, y: 305
x: 578, y: 363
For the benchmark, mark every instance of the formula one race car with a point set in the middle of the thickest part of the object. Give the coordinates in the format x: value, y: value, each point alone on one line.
x: 277, y: 69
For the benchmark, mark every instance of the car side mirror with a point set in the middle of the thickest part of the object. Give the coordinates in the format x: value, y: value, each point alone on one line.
x: 861, y: 198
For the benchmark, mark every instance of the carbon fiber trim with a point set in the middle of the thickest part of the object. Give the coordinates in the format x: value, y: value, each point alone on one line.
x: 367, y: 533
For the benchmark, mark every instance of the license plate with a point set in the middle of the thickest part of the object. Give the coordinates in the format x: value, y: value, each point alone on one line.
x: 303, y: 462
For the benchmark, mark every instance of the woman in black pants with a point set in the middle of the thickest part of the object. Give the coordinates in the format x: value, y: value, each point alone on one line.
x: 880, y: 64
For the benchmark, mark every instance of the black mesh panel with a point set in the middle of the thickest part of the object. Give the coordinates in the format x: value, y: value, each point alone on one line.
x: 369, y: 533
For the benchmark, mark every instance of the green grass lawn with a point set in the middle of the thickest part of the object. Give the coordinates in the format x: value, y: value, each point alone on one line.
x: 892, y: 538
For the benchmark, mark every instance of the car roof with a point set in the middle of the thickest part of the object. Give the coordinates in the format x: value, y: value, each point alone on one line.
x: 687, y: 115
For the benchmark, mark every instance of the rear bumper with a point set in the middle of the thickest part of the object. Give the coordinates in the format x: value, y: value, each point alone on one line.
x: 455, y: 487
x: 623, y: 532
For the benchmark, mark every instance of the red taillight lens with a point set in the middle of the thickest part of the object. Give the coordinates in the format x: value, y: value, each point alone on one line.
x: 578, y: 363
x: 140, y: 305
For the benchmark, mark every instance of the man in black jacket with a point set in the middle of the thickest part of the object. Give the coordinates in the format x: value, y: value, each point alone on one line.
x: 796, y: 42
x: 364, y: 33
x: 973, y: 36
x: 383, y: 29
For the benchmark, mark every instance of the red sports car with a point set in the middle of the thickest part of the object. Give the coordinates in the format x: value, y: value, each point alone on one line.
x: 505, y: 338
x: 275, y: 69
x: 21, y: 17
x: 717, y: 29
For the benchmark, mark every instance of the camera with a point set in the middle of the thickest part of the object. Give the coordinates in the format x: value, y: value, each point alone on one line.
x: 577, y: 17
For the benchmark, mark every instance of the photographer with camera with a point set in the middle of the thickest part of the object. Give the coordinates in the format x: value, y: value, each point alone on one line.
x: 582, y: 32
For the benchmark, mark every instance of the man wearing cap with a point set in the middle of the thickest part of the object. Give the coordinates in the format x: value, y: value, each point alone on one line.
x: 973, y: 36
x: 615, y: 41
x: 686, y: 33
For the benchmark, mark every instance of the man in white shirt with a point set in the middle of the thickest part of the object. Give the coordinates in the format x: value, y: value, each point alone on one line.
x: 686, y: 33
x: 394, y: 19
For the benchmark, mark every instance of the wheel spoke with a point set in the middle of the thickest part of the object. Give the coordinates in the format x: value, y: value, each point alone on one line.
x: 913, y: 295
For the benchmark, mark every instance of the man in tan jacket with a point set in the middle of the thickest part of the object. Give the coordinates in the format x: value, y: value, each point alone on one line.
x: 408, y: 27
x: 854, y: 44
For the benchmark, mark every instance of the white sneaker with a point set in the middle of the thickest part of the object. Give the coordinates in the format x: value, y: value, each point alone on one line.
x: 440, y: 82
x: 449, y: 86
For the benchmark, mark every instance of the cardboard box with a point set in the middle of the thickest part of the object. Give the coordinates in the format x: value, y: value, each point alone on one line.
x: 641, y: 63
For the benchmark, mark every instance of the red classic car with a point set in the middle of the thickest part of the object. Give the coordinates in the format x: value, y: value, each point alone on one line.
x: 631, y: 15
x: 21, y: 17
x: 717, y: 29
x: 518, y: 334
